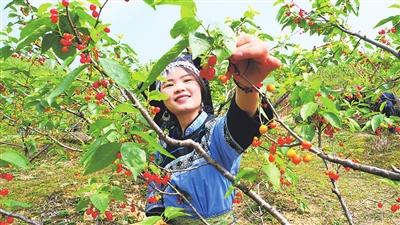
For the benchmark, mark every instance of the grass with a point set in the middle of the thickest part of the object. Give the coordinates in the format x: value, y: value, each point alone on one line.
x: 51, y: 185
x: 361, y: 191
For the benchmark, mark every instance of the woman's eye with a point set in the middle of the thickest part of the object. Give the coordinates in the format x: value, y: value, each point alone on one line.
x: 168, y: 85
x: 187, y: 80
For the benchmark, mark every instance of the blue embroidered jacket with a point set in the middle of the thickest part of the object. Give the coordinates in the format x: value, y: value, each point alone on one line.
x: 198, y: 180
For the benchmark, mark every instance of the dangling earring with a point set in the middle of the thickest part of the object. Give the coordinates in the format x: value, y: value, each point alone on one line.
x: 166, y: 116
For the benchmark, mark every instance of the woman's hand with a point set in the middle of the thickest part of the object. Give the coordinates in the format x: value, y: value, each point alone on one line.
x: 253, y: 59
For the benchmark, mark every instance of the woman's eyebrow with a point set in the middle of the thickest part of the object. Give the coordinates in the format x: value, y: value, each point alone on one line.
x: 184, y: 75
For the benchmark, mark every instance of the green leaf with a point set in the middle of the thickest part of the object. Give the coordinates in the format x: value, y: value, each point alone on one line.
x: 49, y: 40
x: 43, y: 9
x: 133, y: 157
x: 308, y: 109
x: 82, y: 204
x: 376, y: 121
x: 14, y: 158
x: 117, y: 193
x: 333, y: 119
x: 164, y: 61
x: 125, y: 108
x: 388, y: 19
x: 247, y: 173
x: 308, y: 131
x: 117, y: 72
x: 329, y: 104
x: 9, y: 203
x: 157, y: 95
x: 173, y: 212
x: 153, y: 144
x: 100, y: 201
x: 151, y: 220
x: 102, y: 157
x: 273, y: 175
x: 198, y: 44
x: 34, y: 35
x: 354, y: 126
x: 99, y: 125
x: 33, y: 25
x: 184, y: 26
x: 5, y: 52
x: 65, y: 84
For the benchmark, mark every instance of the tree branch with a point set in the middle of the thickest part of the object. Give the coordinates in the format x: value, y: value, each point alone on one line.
x: 21, y: 217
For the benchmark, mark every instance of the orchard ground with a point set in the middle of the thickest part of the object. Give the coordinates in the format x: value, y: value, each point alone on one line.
x: 51, y: 188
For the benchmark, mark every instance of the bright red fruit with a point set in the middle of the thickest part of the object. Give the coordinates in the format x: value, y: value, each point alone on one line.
x: 96, y: 84
x: 10, y: 220
x: 272, y: 157
x: 99, y: 96
x: 92, y: 7
x: 107, y: 30
x: 65, y: 3
x: 380, y: 205
x: 104, y: 83
x: 53, y: 11
x: 394, y: 208
x: 109, y: 215
x: 119, y: 155
x: 89, y: 211
x: 64, y: 49
x: 212, y: 60
x: 54, y: 18
x: 306, y: 144
x: 95, y: 14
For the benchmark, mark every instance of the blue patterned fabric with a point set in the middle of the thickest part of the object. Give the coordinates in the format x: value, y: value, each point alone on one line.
x: 199, y: 181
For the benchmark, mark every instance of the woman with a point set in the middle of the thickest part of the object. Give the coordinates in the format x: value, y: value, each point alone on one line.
x: 224, y: 138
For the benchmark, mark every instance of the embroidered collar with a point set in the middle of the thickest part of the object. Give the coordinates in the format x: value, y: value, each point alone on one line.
x: 196, y: 123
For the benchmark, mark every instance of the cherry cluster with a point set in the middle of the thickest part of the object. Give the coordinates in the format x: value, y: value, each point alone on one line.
x: 150, y: 177
x: 54, y: 15
x: 382, y: 34
x: 208, y: 71
x: 7, y: 220
x: 120, y: 167
x: 238, y: 197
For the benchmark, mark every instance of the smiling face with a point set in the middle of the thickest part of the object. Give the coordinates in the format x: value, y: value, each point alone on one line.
x: 184, y: 93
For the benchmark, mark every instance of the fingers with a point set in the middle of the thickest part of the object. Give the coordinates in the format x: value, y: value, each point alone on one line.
x: 244, y: 39
x: 272, y: 63
x: 255, y: 50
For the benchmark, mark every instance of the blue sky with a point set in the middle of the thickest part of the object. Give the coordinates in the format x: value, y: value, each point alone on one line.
x: 147, y: 30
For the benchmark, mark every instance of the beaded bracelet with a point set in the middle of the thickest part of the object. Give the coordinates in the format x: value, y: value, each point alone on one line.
x: 245, y: 89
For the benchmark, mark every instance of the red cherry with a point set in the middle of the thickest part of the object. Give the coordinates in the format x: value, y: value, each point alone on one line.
x: 80, y: 46
x: 99, y: 96
x: 212, y: 60
x: 10, y: 220
x: 380, y: 205
x: 107, y: 30
x: 296, y: 159
x: 96, y: 84
x: 54, y: 18
x: 89, y: 211
x: 95, y: 14
x: 53, y: 11
x: 104, y: 83
x: 109, y: 215
x: 68, y: 36
x: 394, y: 208
x: 272, y: 149
x: 272, y: 157
x: 393, y: 30
x: 119, y: 155
x: 65, y: 3
x: 306, y: 145
x: 281, y: 141
x: 95, y: 214
x: 92, y: 7
x: 64, y: 49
